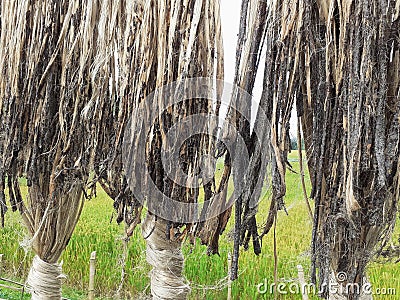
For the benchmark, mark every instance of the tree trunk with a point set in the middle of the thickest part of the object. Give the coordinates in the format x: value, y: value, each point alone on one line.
x: 340, y: 288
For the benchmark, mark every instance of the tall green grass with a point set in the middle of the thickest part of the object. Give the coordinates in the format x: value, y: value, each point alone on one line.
x: 207, y: 275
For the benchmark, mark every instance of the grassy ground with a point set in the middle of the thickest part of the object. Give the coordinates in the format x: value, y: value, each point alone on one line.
x: 206, y: 274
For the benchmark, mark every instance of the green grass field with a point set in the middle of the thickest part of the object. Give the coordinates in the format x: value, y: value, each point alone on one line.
x: 207, y: 275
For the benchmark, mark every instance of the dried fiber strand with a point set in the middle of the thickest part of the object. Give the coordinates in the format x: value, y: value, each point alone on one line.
x: 272, y: 120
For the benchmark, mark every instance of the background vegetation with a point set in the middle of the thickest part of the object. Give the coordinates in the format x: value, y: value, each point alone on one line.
x: 207, y: 275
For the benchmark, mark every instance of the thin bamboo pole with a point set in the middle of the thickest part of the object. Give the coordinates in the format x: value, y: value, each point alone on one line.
x: 11, y: 288
x: 229, y: 276
x: 302, y: 282
x: 92, y: 275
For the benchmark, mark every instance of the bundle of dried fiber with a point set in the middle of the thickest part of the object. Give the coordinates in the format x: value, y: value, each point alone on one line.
x: 340, y: 61
x: 46, y: 51
x: 157, y: 43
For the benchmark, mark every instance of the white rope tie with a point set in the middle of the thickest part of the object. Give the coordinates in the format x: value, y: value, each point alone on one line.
x: 167, y: 261
x: 44, y: 280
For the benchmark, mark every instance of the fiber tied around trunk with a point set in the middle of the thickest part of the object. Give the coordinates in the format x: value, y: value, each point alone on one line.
x: 44, y: 280
x: 166, y: 258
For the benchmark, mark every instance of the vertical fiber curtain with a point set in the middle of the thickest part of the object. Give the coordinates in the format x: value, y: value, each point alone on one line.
x: 157, y: 43
x: 351, y: 117
x: 339, y: 62
x: 47, y: 49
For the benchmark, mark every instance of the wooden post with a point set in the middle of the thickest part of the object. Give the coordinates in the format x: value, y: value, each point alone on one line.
x: 1, y: 263
x: 229, y: 276
x: 302, y: 282
x: 92, y: 275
